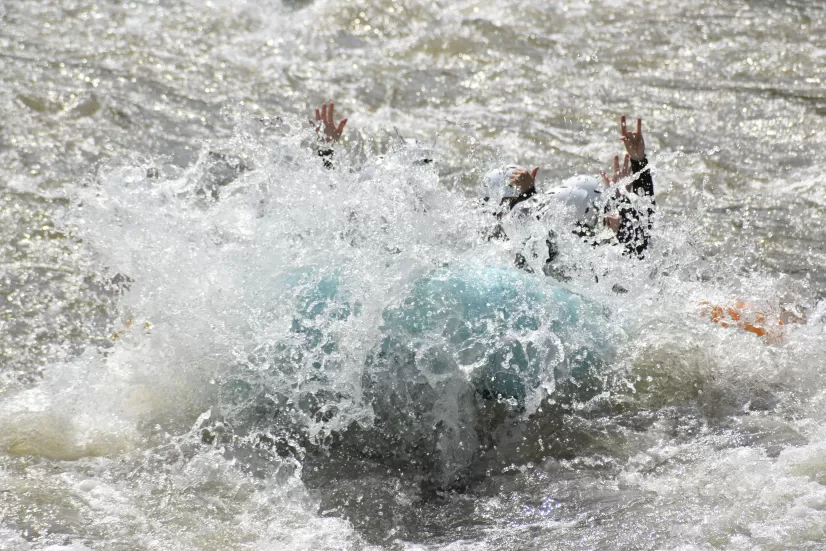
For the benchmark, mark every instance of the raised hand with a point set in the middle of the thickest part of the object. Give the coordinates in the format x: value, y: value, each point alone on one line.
x: 612, y: 221
x: 523, y: 180
x: 325, y: 123
x: 619, y: 173
x: 634, y: 142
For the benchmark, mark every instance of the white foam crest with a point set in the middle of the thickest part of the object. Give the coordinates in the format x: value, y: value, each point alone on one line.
x: 663, y: 308
x: 218, y: 256
x: 177, y: 494
x: 214, y: 282
x: 757, y: 500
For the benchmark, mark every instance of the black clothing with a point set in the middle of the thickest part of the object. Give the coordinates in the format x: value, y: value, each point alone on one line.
x: 513, y: 201
x: 635, y: 211
x: 506, y: 205
x: 326, y: 154
x: 635, y: 221
x: 643, y: 183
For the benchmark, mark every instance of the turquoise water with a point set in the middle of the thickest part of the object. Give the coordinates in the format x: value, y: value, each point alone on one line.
x: 506, y: 330
x: 172, y: 376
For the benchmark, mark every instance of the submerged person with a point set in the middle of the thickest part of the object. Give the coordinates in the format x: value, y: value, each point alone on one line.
x: 628, y: 210
x: 468, y: 346
x: 328, y: 131
x: 622, y: 202
x: 632, y: 222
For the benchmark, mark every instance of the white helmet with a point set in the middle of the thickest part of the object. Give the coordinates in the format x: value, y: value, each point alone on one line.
x: 496, y: 184
x: 581, y: 194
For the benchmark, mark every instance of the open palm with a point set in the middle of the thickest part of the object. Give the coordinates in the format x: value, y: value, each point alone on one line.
x: 326, y: 125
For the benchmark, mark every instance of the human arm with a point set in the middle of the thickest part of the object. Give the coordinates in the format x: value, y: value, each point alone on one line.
x: 643, y: 184
x: 618, y: 203
x: 632, y: 222
x: 325, y: 124
x: 328, y: 131
x: 523, y: 180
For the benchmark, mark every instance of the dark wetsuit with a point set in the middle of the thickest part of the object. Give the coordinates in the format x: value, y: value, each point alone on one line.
x: 513, y: 201
x: 635, y: 222
x: 498, y: 232
x: 326, y: 154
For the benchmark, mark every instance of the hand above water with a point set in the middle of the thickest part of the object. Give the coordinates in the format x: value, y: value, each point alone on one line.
x: 634, y: 142
x: 613, y: 221
x: 325, y: 123
x: 619, y: 173
x: 523, y: 180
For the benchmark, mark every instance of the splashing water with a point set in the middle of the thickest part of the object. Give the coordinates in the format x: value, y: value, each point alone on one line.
x: 210, y: 341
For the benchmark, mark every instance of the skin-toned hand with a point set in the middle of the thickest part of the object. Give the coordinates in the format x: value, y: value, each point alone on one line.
x: 619, y: 173
x: 523, y: 180
x: 324, y: 116
x: 634, y: 142
x: 612, y: 221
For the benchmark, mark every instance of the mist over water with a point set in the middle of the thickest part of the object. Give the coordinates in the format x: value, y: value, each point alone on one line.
x: 210, y: 341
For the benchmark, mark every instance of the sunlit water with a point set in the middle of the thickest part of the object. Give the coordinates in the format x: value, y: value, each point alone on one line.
x: 193, y: 308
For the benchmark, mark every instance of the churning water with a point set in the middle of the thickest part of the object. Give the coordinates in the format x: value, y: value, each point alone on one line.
x: 210, y: 341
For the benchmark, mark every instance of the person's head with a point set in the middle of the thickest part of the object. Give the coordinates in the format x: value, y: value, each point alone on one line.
x: 498, y: 187
x: 524, y: 180
x: 580, y: 194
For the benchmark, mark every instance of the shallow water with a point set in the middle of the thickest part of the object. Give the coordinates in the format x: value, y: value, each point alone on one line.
x: 165, y: 384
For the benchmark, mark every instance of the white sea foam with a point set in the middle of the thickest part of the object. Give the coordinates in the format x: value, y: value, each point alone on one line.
x: 157, y: 412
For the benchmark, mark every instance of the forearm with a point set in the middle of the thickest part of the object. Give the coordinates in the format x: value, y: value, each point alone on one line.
x: 643, y: 184
x: 634, y: 230
x: 326, y: 154
x: 328, y: 132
